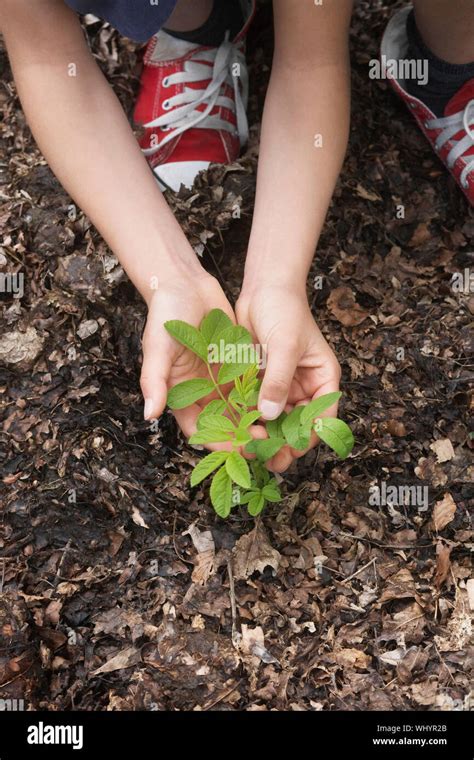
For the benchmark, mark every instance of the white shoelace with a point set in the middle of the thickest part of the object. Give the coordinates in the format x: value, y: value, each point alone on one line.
x: 183, y: 113
x: 450, y: 125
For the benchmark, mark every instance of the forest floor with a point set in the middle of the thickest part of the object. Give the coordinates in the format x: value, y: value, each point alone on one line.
x: 119, y: 587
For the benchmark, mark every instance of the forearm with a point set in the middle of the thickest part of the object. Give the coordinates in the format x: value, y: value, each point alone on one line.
x: 304, y: 137
x: 83, y: 133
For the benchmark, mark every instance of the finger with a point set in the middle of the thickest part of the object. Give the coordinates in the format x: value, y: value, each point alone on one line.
x: 280, y: 461
x: 282, y: 360
x: 154, y: 376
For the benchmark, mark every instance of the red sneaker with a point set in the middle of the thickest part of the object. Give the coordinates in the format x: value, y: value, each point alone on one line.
x: 452, y: 135
x: 192, y: 103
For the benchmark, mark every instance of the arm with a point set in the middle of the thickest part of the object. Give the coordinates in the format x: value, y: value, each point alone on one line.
x: 84, y: 134
x: 307, y: 102
x: 308, y: 95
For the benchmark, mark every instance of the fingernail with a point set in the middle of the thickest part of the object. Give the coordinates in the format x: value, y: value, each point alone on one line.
x: 270, y: 410
x: 147, y: 412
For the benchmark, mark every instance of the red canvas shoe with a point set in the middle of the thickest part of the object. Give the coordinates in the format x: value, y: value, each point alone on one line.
x: 192, y: 103
x: 452, y: 135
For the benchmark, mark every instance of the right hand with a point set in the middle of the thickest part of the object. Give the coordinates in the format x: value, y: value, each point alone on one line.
x: 166, y: 362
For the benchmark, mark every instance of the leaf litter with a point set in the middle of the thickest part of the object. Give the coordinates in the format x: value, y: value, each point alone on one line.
x: 119, y: 588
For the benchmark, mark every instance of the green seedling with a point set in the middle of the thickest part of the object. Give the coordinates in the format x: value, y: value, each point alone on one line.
x: 229, y: 415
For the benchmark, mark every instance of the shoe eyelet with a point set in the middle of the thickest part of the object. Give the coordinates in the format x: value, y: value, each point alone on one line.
x: 166, y: 105
x: 412, y: 105
x: 465, y: 184
x: 166, y: 82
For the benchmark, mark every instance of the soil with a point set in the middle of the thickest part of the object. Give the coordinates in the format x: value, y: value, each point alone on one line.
x: 120, y: 589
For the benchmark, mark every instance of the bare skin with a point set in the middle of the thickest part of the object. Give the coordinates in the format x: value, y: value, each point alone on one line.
x: 447, y: 28
x: 108, y: 177
x: 304, y: 136
x: 189, y: 14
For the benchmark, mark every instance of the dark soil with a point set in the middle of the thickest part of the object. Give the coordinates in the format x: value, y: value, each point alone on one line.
x: 119, y: 587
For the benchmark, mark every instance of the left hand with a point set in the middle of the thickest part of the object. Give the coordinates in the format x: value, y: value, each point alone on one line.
x: 300, y: 364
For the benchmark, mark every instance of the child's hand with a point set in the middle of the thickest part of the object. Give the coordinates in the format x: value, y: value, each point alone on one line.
x: 300, y: 363
x: 166, y: 362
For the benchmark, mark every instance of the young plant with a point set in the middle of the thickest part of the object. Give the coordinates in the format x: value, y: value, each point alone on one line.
x: 228, y: 416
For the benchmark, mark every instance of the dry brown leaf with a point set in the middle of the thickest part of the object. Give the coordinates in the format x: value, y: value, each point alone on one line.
x: 124, y: 659
x: 138, y: 519
x: 443, y: 512
x: 399, y: 586
x: 20, y: 348
x: 470, y: 592
x: 204, y: 544
x: 443, y: 563
x: 443, y: 448
x: 352, y: 658
x: 406, y: 625
x: 253, y: 553
x: 343, y: 306
x: 252, y: 642
x: 459, y: 628
x: 424, y: 693
x: 367, y: 195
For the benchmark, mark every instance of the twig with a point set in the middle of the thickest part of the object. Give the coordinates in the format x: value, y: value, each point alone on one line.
x: 183, y: 559
x: 360, y: 570
x: 223, y: 696
x: 380, y: 545
x: 233, y: 606
x: 61, y: 563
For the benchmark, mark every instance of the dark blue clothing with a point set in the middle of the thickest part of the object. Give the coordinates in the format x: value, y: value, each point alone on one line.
x: 137, y: 19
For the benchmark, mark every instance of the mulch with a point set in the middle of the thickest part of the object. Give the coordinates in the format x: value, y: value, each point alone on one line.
x: 120, y: 589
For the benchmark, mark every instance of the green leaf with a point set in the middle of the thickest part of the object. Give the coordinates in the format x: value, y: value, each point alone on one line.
x: 188, y: 336
x: 271, y: 492
x: 186, y: 393
x: 229, y: 372
x: 236, y: 400
x: 250, y: 379
x: 216, y: 423
x: 249, y: 418
x: 319, y: 405
x: 238, y: 469
x: 337, y: 434
x: 221, y: 492
x: 295, y: 436
x: 256, y: 504
x: 245, y: 497
x: 235, y: 335
x: 216, y: 406
x: 209, y: 436
x: 261, y: 476
x: 274, y: 427
x: 265, y: 449
x: 305, y: 434
x: 207, y: 465
x: 213, y: 324
x: 242, y: 437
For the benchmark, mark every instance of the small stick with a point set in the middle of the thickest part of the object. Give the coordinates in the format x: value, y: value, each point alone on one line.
x: 361, y: 569
x: 233, y: 606
x: 61, y: 563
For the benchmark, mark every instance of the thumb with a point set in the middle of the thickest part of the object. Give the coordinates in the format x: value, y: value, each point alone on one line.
x: 154, y: 377
x: 282, y: 361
